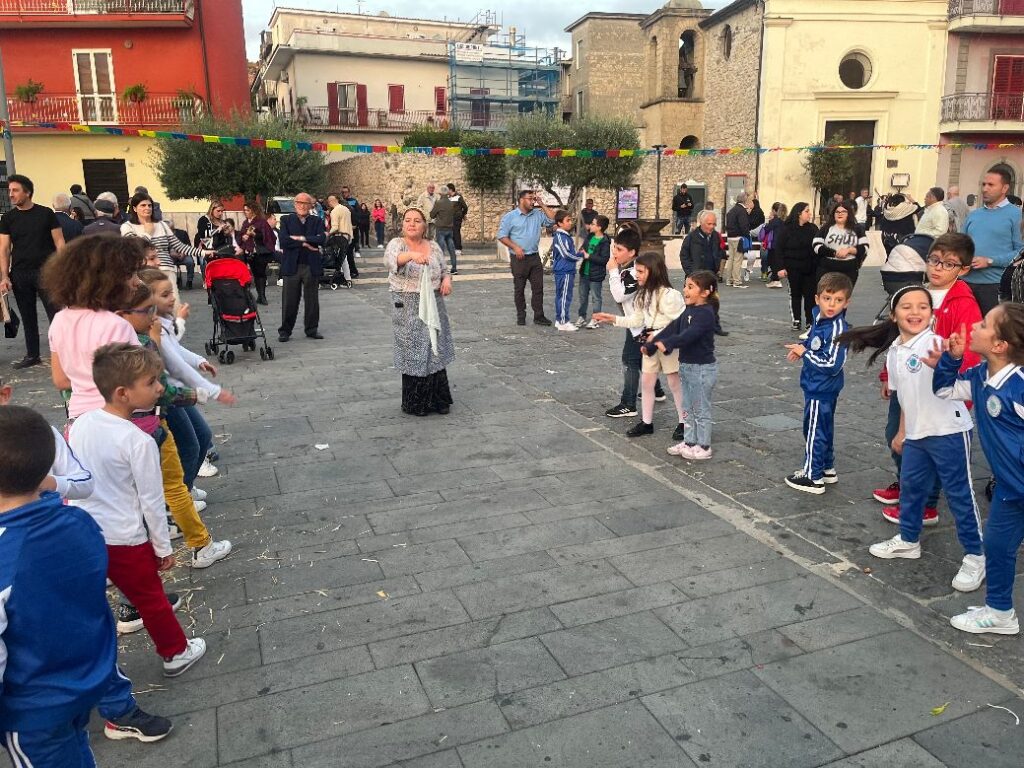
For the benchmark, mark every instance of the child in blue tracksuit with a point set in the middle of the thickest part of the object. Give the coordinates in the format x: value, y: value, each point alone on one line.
x: 565, y: 258
x: 997, y: 388
x: 58, y: 648
x: 821, y: 380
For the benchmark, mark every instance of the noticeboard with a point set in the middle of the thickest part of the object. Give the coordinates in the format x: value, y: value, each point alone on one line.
x: 627, y: 203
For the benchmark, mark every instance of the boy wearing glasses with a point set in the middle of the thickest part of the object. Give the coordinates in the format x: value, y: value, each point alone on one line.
x: 955, y: 309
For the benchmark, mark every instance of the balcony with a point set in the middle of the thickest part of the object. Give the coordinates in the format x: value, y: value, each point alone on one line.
x: 992, y: 16
x: 96, y: 13
x: 374, y: 120
x: 982, y: 113
x: 158, y: 110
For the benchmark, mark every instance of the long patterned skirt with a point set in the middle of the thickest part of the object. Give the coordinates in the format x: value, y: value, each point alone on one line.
x: 424, y: 378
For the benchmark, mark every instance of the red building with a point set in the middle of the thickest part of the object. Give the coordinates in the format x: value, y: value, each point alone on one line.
x: 141, y: 63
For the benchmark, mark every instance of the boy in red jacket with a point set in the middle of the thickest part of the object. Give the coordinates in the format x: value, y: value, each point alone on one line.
x: 955, y: 309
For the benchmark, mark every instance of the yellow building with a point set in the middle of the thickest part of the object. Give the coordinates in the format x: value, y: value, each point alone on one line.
x: 872, y: 69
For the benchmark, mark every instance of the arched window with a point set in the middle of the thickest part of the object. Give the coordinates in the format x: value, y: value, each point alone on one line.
x: 687, y: 64
x: 689, y: 142
x: 727, y: 41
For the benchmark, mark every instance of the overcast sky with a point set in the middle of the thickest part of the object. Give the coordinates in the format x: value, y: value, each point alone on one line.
x: 538, y: 19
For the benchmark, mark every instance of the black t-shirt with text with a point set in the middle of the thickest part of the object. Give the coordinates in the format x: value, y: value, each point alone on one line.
x: 31, y: 233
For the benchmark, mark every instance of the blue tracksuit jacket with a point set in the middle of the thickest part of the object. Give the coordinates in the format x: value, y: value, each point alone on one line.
x: 822, y: 372
x: 563, y: 253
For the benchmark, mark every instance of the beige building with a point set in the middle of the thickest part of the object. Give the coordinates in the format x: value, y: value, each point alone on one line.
x: 983, y: 92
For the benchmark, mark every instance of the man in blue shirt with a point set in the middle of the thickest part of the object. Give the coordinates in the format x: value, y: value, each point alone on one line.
x: 995, y: 229
x: 519, y: 231
x: 301, y: 235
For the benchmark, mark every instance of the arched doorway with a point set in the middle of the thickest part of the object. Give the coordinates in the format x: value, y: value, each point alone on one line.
x: 689, y: 142
x: 687, y: 64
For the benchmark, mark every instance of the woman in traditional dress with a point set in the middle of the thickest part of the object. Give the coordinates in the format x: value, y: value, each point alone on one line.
x: 420, y: 359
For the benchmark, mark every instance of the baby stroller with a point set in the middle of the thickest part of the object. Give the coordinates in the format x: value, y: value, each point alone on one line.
x: 236, y: 321
x: 332, y: 259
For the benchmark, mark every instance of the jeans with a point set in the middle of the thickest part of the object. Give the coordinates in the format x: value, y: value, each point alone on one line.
x: 563, y: 296
x: 446, y: 239
x: 193, y: 437
x: 1004, y: 532
x: 457, y: 234
x: 892, y: 426
x: 26, y: 291
x: 378, y: 227
x: 303, y: 284
x: 680, y: 224
x: 190, y: 266
x: 528, y: 269
x: 698, y: 384
x: 632, y: 359
x: 589, y: 289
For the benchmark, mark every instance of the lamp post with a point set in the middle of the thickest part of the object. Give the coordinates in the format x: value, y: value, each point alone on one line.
x: 5, y: 118
x: 657, y: 189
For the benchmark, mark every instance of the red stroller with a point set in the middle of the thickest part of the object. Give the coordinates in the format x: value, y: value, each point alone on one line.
x: 236, y: 320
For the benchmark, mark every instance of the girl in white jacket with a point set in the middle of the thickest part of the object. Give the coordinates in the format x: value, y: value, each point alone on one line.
x: 656, y: 305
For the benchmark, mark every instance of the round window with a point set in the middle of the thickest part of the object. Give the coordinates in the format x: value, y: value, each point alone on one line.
x: 855, y: 70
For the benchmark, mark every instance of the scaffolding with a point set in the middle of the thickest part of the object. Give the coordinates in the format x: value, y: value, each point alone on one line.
x: 491, y: 83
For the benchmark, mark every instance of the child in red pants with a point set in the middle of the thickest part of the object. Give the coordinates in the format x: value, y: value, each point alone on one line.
x: 128, y: 500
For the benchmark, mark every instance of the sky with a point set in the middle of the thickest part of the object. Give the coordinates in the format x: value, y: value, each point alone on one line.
x: 542, y: 26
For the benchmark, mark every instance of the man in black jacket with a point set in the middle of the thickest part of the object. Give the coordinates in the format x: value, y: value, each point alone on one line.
x: 737, y: 225
x: 702, y: 249
x: 682, y: 210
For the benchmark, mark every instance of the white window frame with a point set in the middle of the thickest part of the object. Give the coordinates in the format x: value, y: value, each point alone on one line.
x: 95, y: 96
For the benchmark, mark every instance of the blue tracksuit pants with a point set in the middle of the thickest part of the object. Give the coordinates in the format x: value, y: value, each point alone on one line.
x: 1004, y: 533
x: 819, y: 432
x: 949, y: 458
x: 563, y: 295
x: 67, y: 745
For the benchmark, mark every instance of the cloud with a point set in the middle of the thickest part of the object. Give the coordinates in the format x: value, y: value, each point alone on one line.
x: 542, y: 26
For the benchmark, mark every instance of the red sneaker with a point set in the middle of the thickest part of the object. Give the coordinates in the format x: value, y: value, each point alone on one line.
x: 892, y: 514
x: 890, y: 495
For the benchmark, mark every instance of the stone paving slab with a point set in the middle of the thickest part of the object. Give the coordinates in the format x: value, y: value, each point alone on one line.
x: 518, y: 581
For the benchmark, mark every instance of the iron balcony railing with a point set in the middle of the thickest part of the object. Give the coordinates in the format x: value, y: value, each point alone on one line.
x: 371, y: 119
x: 984, y: 107
x: 91, y: 7
x: 105, y: 109
x: 960, y: 8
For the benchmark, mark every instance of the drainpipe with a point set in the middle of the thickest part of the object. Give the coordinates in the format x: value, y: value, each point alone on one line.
x: 757, y: 106
x: 206, y: 60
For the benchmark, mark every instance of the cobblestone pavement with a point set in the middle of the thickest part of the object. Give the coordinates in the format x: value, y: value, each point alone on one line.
x: 517, y: 584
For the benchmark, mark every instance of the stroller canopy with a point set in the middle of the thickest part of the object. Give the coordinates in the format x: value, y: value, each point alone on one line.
x: 227, y: 269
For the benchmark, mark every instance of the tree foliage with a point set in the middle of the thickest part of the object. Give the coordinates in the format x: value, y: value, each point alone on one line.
x: 540, y: 131
x: 484, y: 173
x: 829, y: 170
x: 188, y: 169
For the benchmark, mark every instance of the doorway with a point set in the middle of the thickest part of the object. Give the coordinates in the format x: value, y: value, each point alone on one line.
x: 106, y: 176
x: 855, y: 132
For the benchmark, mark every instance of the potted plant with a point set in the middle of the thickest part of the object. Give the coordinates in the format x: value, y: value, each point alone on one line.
x: 28, y: 91
x: 134, y: 93
x: 186, y: 99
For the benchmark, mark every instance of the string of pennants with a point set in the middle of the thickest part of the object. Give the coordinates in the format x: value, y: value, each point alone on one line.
x: 374, y: 149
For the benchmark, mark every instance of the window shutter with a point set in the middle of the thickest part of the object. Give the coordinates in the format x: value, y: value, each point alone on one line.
x: 1008, y: 88
x: 361, y: 108
x: 441, y: 100
x: 396, y: 98
x: 333, y: 118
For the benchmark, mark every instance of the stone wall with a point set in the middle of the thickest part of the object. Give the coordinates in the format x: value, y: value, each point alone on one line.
x: 610, y: 72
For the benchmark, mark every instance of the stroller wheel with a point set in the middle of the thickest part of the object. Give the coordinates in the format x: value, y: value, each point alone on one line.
x: 270, y: 353
x: 263, y: 354
x: 222, y: 357
x: 209, y: 349
x: 230, y: 357
x: 334, y: 286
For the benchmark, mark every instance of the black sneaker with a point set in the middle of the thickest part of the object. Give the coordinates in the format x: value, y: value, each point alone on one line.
x: 173, y: 529
x: 541, y: 321
x: 129, y: 620
x: 679, y: 432
x: 521, y: 321
x: 26, y: 362
x: 454, y: 272
x: 138, y: 725
x: 620, y: 411
x: 640, y: 429
x: 284, y: 337
x: 801, y: 482
x: 720, y: 332
x: 795, y: 326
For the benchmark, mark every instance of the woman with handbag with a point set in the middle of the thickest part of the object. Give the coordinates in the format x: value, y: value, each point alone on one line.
x: 421, y: 359
x: 257, y: 239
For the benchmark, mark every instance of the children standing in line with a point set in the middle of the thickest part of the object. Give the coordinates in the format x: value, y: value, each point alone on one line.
x: 821, y: 379
x: 563, y: 252
x: 997, y: 386
x: 623, y: 286
x: 656, y: 305
x: 934, y: 435
x: 693, y: 334
x: 58, y: 650
x: 128, y: 499
x: 596, y: 252
x: 955, y: 308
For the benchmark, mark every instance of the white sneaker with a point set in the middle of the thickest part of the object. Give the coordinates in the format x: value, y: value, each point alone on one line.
x: 457, y: 253
x: 829, y: 477
x: 803, y: 336
x: 896, y: 547
x: 280, y: 282
x: 699, y: 453
x: 775, y: 284
x: 981, y: 619
x: 567, y: 327
x: 200, y: 505
x: 210, y: 554
x: 580, y: 322
x: 173, y: 531
x: 677, y: 450
x: 207, y: 470
x: 193, y: 652
x: 198, y: 494
x: 593, y: 325
x: 971, y: 574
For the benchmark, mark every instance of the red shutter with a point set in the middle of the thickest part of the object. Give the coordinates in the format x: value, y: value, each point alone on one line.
x: 361, y: 109
x: 333, y: 118
x: 396, y: 98
x: 441, y: 100
x: 1008, y: 88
